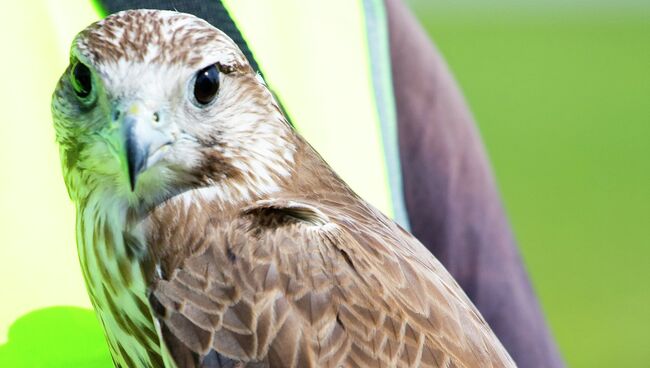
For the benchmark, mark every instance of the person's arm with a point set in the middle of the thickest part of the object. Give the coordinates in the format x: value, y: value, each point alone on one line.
x: 451, y: 197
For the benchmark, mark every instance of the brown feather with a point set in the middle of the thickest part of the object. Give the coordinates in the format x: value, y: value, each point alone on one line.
x: 318, y: 279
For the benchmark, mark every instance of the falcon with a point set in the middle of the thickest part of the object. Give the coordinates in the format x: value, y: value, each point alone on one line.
x: 211, y: 234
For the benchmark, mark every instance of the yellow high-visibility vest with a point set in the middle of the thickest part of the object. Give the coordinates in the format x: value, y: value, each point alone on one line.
x: 328, y: 62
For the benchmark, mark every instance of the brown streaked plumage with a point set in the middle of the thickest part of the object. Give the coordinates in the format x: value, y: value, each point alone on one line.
x: 233, y: 243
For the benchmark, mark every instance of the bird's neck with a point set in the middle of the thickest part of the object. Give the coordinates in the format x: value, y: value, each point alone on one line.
x: 311, y: 174
x: 116, y: 269
x: 110, y: 245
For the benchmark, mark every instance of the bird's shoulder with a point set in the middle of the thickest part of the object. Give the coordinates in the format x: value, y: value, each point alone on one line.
x: 311, y: 281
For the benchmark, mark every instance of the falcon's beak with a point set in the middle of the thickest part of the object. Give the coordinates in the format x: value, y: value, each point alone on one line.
x: 145, y: 141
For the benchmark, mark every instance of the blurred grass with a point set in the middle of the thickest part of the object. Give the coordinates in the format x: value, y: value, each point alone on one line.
x: 563, y: 104
x: 56, y: 337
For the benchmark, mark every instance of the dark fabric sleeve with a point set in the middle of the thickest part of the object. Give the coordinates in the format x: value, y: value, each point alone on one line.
x: 451, y: 197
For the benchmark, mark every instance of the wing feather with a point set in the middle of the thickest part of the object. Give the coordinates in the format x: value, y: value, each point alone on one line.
x: 300, y: 283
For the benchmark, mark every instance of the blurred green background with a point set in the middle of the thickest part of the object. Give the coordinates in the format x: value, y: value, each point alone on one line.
x: 561, y: 93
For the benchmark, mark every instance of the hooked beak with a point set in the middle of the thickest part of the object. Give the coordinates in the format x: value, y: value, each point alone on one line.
x: 145, y: 142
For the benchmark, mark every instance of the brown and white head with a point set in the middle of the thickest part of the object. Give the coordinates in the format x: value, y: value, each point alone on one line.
x: 154, y: 103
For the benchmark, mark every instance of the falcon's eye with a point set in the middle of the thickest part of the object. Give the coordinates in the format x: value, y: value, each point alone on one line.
x: 81, y: 80
x: 206, y: 85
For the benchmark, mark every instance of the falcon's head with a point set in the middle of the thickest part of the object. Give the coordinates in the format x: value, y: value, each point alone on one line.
x: 154, y: 103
